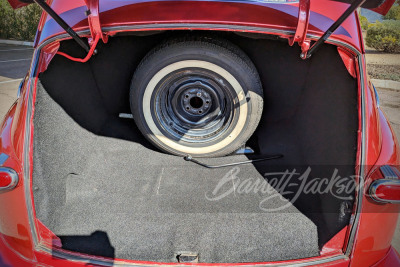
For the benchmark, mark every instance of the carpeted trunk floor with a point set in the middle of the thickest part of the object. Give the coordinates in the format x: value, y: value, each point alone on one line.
x: 116, y: 198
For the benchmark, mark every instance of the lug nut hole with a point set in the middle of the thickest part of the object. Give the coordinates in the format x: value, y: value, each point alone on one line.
x: 196, y: 102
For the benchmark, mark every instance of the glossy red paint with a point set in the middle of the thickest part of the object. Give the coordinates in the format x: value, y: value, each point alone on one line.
x: 302, y: 26
x: 5, y: 179
x: 47, y: 55
x: 392, y: 258
x: 389, y: 192
x: 19, y: 246
x: 48, y: 260
x: 15, y: 230
x: 335, y: 245
x: 349, y: 61
x: 384, y: 8
x: 18, y: 125
x: 373, y: 127
x: 94, y: 20
x: 373, y: 241
x: 202, y: 13
x: 17, y: 4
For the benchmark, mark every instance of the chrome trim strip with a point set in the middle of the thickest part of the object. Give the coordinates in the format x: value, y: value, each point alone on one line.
x: 388, y: 172
x: 194, y: 26
x: 27, y: 140
x: 14, y: 179
x: 378, y: 102
x: 359, y: 196
x: 21, y: 85
x: 81, y: 258
x: 3, y: 158
x: 374, y: 186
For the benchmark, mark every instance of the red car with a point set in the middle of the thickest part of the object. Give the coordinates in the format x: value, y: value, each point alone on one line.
x: 205, y: 133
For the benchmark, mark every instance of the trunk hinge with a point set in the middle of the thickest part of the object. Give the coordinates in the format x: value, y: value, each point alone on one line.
x: 94, y: 25
x: 353, y: 7
x: 302, y: 27
x: 94, y: 20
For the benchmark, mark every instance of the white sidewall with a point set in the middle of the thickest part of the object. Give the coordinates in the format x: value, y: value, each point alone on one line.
x: 243, y: 108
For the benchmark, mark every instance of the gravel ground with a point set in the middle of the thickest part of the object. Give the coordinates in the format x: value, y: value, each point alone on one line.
x: 380, y: 58
x: 382, y: 65
x: 15, y: 60
x: 384, y: 72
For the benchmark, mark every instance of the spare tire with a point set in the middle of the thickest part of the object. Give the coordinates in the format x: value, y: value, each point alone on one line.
x: 199, y: 97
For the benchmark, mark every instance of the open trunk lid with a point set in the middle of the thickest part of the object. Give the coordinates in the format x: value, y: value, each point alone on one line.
x: 379, y: 6
x: 300, y: 36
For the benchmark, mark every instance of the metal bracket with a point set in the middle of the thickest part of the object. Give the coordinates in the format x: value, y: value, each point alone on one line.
x: 302, y: 27
x: 388, y: 171
x: 94, y: 20
x: 353, y: 7
x: 187, y: 257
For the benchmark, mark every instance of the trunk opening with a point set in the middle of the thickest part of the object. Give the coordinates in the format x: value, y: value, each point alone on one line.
x: 106, y: 191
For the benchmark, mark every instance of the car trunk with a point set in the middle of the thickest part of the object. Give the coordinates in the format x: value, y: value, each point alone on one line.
x: 104, y: 190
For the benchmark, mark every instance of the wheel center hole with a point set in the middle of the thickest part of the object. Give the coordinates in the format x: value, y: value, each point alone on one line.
x: 196, y: 102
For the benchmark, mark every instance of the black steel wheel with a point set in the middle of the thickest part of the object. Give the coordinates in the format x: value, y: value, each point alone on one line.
x: 196, y: 97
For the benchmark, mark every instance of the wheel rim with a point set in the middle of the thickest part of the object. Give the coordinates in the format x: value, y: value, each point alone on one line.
x: 194, y: 105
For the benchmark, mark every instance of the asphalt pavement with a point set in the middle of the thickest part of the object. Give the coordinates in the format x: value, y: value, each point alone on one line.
x: 14, y: 64
x: 15, y: 61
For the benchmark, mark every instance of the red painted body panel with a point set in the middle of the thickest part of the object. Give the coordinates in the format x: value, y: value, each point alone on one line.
x: 15, y: 230
x: 384, y: 8
x: 378, y: 221
x: 17, y: 4
x: 252, y: 14
x: 392, y: 258
x: 372, y: 241
x: 303, y: 21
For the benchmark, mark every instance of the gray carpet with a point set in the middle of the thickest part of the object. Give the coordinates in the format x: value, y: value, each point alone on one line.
x: 151, y: 206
